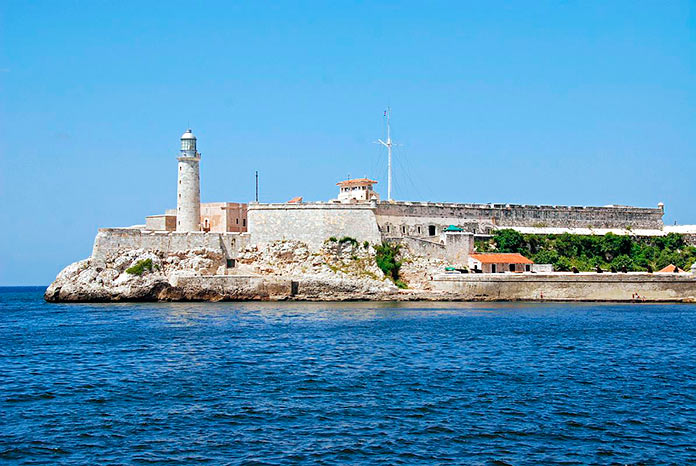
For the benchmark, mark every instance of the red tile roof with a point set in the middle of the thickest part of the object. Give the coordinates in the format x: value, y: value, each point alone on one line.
x: 501, y: 258
x: 356, y: 181
x: 295, y: 200
x: 670, y: 268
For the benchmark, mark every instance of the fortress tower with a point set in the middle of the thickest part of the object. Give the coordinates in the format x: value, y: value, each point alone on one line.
x: 188, y: 201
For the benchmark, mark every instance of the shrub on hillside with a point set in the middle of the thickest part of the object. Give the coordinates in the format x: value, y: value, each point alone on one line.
x: 385, y: 256
x: 140, y: 267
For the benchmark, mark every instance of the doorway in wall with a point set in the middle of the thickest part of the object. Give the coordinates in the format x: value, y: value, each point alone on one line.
x: 431, y: 230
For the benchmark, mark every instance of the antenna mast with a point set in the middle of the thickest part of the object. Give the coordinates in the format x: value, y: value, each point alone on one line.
x: 388, y: 145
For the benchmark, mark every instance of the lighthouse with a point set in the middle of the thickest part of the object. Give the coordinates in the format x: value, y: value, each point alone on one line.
x: 188, y: 201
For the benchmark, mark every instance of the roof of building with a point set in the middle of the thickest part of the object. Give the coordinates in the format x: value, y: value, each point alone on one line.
x: 453, y: 228
x: 356, y: 182
x: 188, y: 135
x: 680, y: 229
x: 501, y: 258
x: 295, y: 200
x: 671, y: 269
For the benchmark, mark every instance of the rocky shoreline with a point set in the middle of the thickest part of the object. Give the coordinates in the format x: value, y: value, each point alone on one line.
x: 338, y: 271
x: 279, y: 271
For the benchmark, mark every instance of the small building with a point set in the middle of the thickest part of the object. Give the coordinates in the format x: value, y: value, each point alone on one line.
x: 164, y: 222
x: 216, y: 217
x: 224, y: 217
x: 499, y: 262
x: 357, y: 190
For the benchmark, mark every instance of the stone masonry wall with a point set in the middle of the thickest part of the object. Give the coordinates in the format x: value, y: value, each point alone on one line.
x: 312, y: 223
x: 478, y: 218
x: 569, y: 287
x: 112, y: 240
x: 188, y: 216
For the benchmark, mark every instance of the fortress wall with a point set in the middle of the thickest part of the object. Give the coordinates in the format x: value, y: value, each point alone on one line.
x: 422, y: 247
x: 312, y: 223
x: 110, y: 241
x: 501, y: 215
x: 569, y: 287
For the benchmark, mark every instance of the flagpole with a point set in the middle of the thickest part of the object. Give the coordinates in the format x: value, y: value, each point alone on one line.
x: 388, y: 145
x: 389, y: 149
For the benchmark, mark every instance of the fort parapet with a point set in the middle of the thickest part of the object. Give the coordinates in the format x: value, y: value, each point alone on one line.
x: 417, y: 218
x: 315, y: 222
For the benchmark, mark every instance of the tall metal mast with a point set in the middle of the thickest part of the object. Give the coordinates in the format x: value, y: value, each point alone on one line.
x: 388, y: 145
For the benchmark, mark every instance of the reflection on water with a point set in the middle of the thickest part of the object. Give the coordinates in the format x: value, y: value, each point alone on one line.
x: 346, y: 383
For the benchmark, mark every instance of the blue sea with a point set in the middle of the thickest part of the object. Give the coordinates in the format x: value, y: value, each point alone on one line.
x: 345, y: 383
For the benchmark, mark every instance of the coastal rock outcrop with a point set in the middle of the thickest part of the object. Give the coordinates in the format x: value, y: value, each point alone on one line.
x: 339, y: 270
x: 132, y: 275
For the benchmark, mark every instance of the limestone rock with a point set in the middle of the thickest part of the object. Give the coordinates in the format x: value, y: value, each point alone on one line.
x: 339, y: 270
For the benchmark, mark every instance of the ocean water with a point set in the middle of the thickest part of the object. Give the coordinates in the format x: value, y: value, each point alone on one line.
x: 346, y: 383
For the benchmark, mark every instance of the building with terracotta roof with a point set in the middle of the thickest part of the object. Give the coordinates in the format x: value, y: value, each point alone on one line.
x: 499, y: 262
x: 357, y: 190
x: 671, y: 268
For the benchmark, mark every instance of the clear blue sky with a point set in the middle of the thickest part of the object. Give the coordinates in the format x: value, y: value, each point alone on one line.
x: 575, y: 102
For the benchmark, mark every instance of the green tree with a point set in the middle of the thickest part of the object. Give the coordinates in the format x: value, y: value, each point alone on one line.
x: 545, y: 257
x: 509, y: 240
x: 385, y: 256
x: 623, y: 261
x: 563, y: 264
x: 568, y: 245
x: 615, y: 245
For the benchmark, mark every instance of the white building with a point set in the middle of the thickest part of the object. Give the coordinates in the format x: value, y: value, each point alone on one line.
x: 357, y: 190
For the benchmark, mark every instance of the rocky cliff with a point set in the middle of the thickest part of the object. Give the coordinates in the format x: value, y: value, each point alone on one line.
x: 279, y: 270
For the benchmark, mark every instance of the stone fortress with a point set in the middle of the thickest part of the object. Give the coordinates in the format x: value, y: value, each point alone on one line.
x: 327, y: 250
x: 358, y: 213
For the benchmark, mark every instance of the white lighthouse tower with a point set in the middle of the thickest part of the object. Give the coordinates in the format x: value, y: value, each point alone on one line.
x: 188, y: 201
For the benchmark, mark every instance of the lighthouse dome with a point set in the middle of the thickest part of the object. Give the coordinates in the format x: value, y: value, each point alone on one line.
x: 188, y: 135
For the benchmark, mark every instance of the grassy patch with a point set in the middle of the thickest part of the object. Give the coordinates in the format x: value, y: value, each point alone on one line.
x: 140, y: 267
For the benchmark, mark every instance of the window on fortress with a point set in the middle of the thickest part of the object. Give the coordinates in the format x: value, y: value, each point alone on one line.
x: 403, y: 229
x: 431, y: 230
x: 244, y: 222
x: 419, y: 230
x: 388, y: 229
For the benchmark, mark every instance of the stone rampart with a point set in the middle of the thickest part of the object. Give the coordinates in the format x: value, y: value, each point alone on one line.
x: 110, y: 241
x: 421, y: 247
x: 417, y: 217
x: 569, y: 287
x: 312, y: 223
